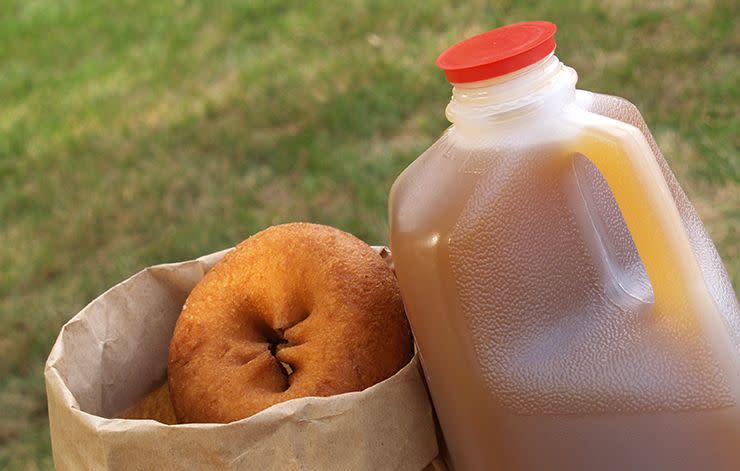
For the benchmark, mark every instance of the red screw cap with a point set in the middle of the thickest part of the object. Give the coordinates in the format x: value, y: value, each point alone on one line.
x: 498, y: 52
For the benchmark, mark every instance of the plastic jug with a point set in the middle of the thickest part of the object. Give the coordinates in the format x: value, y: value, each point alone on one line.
x: 570, y: 309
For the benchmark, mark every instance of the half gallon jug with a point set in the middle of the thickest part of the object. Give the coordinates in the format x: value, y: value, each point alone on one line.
x: 570, y: 309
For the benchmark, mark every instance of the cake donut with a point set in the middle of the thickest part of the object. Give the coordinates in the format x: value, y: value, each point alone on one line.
x: 295, y: 310
x: 154, y: 406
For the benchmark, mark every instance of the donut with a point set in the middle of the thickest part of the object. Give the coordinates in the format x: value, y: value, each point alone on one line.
x: 296, y: 310
x: 154, y: 406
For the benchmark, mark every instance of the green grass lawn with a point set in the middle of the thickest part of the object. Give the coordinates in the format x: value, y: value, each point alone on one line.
x: 138, y: 132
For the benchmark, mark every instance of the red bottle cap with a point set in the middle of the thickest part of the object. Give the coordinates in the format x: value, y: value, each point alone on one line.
x: 498, y: 52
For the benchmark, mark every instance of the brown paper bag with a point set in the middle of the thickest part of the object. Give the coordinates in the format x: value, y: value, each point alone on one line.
x: 115, y: 350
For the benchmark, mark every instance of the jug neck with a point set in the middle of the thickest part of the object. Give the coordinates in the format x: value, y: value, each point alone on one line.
x: 542, y: 88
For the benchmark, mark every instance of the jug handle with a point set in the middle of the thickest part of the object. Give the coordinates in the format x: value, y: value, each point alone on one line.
x: 623, y: 156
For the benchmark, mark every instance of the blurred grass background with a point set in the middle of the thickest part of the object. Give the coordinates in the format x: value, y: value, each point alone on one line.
x: 139, y: 132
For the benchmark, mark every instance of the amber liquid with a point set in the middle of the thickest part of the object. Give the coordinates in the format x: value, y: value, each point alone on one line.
x: 536, y: 322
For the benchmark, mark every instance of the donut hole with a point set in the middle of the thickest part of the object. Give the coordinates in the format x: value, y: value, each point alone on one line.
x: 284, y: 336
x: 275, y: 340
x: 287, y: 369
x: 275, y: 347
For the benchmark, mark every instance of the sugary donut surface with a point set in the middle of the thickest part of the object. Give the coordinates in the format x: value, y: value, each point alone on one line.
x: 296, y: 310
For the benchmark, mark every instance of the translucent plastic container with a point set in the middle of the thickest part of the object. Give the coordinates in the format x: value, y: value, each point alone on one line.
x: 570, y: 309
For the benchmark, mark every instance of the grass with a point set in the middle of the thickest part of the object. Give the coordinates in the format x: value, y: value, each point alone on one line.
x: 159, y: 131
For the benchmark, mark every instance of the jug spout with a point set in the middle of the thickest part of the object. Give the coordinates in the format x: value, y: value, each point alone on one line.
x: 543, y: 87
